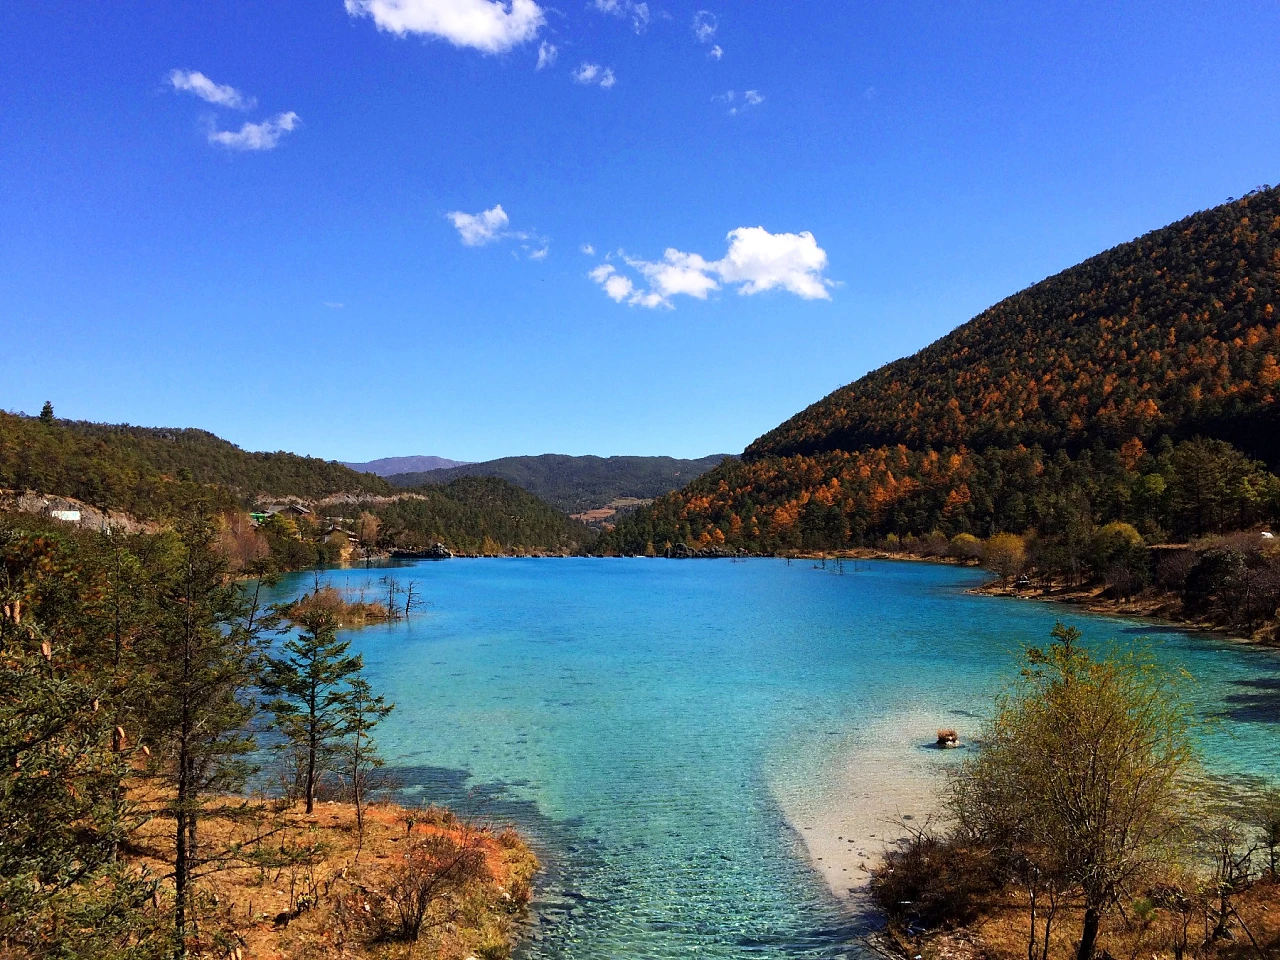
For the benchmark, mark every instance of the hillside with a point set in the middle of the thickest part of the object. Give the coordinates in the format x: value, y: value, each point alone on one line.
x: 390, y: 466
x: 577, y: 484
x: 1074, y: 403
x: 141, y: 469
x: 471, y: 515
x: 153, y: 473
x: 1173, y: 333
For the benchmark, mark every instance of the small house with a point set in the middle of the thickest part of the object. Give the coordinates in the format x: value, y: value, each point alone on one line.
x: 291, y: 510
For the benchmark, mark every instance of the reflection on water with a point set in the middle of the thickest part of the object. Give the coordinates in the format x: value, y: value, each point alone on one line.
x: 639, y: 718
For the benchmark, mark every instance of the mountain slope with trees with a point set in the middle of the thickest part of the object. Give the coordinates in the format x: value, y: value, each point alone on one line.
x: 1138, y: 388
x: 141, y: 470
x: 576, y: 484
x: 155, y: 473
x: 471, y: 515
x: 1171, y: 334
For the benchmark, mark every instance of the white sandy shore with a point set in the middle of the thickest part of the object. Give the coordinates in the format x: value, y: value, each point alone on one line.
x: 848, y: 807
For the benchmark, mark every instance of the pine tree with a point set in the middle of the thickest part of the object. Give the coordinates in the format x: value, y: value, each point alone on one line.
x: 46, y: 414
x: 205, y: 652
x: 309, y: 687
x: 63, y: 891
x: 360, y: 712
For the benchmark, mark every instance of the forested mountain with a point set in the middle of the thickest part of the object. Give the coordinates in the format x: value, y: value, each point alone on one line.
x: 472, y: 515
x: 1171, y: 334
x: 390, y: 466
x: 157, y: 474
x: 576, y: 484
x: 1139, y: 386
x: 141, y: 469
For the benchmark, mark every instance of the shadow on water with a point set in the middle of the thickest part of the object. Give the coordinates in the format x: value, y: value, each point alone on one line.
x: 570, y: 857
x: 1261, y: 704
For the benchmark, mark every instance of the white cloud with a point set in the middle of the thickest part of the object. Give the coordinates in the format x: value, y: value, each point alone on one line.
x: 256, y: 136
x: 753, y: 98
x: 592, y: 73
x: 333, y: 305
x: 616, y: 287
x: 588, y: 249
x: 193, y: 81
x: 760, y: 261
x: 715, y: 53
x: 487, y: 226
x: 477, y: 229
x: 677, y: 273
x: 756, y: 261
x: 547, y: 53
x: 638, y: 12
x: 705, y: 25
x: 490, y: 26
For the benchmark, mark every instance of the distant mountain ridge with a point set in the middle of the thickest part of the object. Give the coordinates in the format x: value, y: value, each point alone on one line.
x: 390, y: 466
x: 577, y: 484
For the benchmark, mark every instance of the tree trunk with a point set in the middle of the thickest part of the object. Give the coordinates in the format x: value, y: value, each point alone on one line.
x: 181, y: 857
x: 1088, y: 935
x: 311, y: 775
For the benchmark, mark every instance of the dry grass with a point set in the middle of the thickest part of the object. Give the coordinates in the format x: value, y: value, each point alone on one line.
x: 291, y: 887
x: 345, y: 612
x: 1147, y: 930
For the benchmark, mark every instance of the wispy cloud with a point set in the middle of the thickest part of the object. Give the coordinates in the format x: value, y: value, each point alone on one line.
x: 755, y: 262
x: 705, y: 25
x: 334, y: 305
x: 257, y: 136
x: 489, y: 26
x: 715, y: 53
x: 547, y: 53
x: 477, y: 229
x: 588, y: 249
x: 489, y: 226
x: 593, y: 73
x: 637, y: 12
x: 739, y: 103
x: 193, y: 81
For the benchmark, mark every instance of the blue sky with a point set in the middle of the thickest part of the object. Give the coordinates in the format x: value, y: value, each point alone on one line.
x: 281, y: 221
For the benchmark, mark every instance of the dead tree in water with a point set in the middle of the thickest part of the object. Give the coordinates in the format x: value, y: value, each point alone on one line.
x: 412, y: 600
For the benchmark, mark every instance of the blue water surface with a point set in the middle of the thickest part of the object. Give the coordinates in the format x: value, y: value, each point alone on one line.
x: 637, y: 719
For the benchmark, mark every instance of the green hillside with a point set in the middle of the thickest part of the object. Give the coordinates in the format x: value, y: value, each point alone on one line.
x: 154, y: 473
x: 473, y: 515
x: 141, y: 469
x: 576, y: 484
x: 1139, y: 386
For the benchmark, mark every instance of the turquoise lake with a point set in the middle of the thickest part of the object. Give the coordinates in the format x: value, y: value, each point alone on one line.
x: 660, y: 728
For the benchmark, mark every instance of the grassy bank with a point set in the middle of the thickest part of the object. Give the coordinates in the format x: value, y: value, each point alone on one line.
x: 418, y: 882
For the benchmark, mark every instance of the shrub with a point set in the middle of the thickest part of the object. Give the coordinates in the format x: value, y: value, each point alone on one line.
x: 965, y: 546
x: 426, y: 889
x: 1005, y: 553
x: 933, y: 882
x: 1119, y: 556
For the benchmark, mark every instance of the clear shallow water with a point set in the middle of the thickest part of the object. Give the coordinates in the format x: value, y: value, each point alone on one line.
x: 639, y: 719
